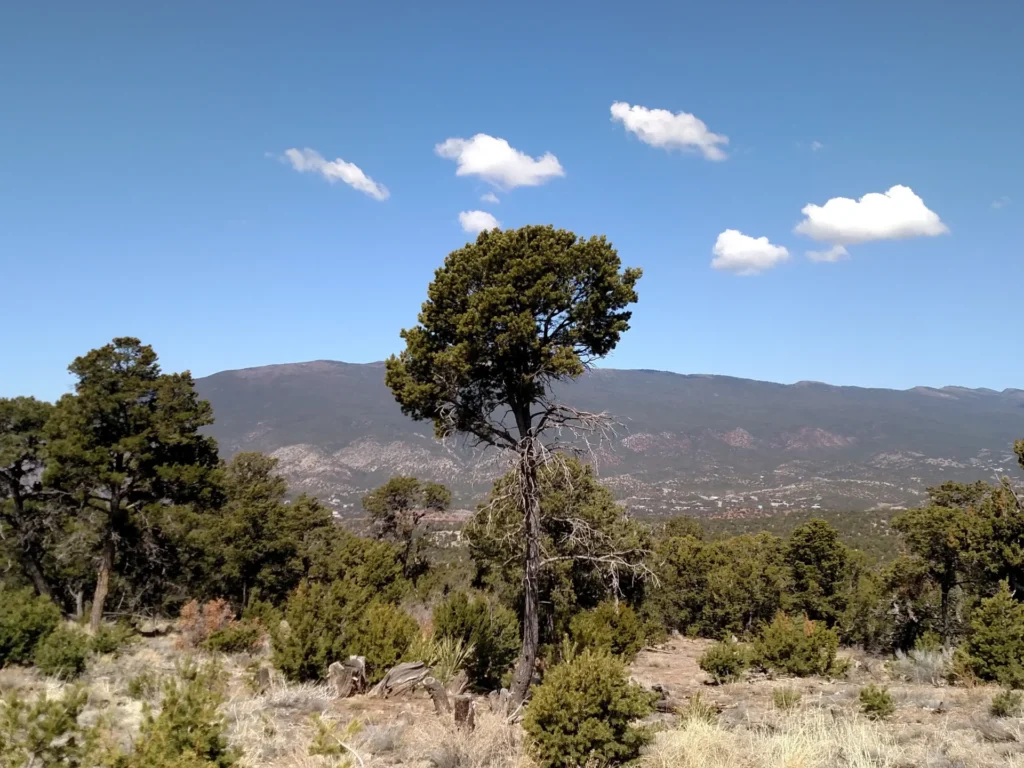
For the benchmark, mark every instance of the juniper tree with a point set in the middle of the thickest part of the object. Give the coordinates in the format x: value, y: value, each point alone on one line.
x: 125, y: 446
x: 22, y: 446
x: 506, y: 317
x: 398, y: 506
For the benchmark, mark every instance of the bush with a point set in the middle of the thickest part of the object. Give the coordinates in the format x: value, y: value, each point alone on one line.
x: 25, y: 619
x: 111, y: 638
x: 1007, y: 704
x: 609, y: 627
x: 699, y: 709
x: 786, y: 698
x: 725, y: 661
x: 995, y: 646
x: 44, y: 731
x: 584, y: 710
x: 799, y: 649
x: 445, y: 656
x: 189, y: 731
x: 490, y: 628
x: 923, y: 666
x: 876, y: 702
x: 63, y: 652
x: 237, y: 637
x: 313, y: 633
x: 144, y: 685
x: 383, y: 634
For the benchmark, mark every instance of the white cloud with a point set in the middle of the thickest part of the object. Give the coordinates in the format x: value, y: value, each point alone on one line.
x: 310, y: 161
x: 490, y: 197
x: 816, y: 145
x: 661, y: 128
x: 1002, y: 202
x: 835, y: 253
x: 496, y: 161
x: 892, y: 215
x: 477, y: 221
x: 745, y: 255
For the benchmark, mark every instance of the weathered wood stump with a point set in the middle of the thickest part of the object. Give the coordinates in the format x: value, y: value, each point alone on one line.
x: 465, y: 712
x: 347, y: 677
x: 438, y: 695
x: 458, y: 683
x: 401, y: 679
x: 500, y: 702
x: 263, y: 680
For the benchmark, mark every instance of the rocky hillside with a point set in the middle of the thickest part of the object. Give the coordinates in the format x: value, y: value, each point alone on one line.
x: 708, y: 444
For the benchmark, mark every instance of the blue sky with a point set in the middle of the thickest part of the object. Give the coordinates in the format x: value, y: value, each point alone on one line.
x: 145, y: 188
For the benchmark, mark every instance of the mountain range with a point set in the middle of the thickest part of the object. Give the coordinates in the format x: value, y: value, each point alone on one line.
x: 702, y: 444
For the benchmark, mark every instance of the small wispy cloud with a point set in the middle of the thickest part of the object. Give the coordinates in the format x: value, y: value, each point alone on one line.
x: 477, y: 221
x: 835, y: 253
x: 490, y: 197
x: 310, y: 161
x: 498, y: 162
x: 661, y: 128
x: 1002, y: 202
x: 816, y: 145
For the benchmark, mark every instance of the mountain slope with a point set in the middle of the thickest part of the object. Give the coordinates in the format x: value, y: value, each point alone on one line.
x: 713, y: 444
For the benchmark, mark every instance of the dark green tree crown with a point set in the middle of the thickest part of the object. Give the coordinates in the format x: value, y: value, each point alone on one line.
x: 504, y: 317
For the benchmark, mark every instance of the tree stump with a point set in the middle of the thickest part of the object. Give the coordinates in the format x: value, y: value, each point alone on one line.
x: 340, y: 678
x: 438, y: 695
x: 500, y: 702
x: 458, y: 683
x: 358, y: 666
x: 465, y: 712
x: 401, y: 679
x: 263, y: 679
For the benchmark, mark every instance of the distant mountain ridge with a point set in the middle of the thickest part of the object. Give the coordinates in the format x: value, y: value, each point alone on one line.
x: 689, y: 442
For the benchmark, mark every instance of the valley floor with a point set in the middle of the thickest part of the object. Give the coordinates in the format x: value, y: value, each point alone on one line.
x: 935, y: 726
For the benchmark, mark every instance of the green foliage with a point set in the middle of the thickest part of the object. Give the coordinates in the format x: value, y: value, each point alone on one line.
x: 44, y: 731
x: 713, y: 588
x: 325, y: 623
x: 611, y: 627
x: 1007, y: 703
x: 63, y: 653
x: 876, y: 702
x: 383, y: 634
x: 25, y: 520
x: 237, y: 637
x: 504, y: 317
x: 796, y: 648
x: 584, y: 711
x: 189, y: 730
x: 818, y: 562
x: 786, y: 698
x: 571, y: 499
x: 995, y: 646
x: 332, y: 742
x: 144, y: 685
x: 682, y: 525
x: 725, y: 661
x: 397, y: 507
x: 25, y: 619
x: 445, y: 656
x: 126, y: 447
x: 490, y: 628
x: 111, y: 638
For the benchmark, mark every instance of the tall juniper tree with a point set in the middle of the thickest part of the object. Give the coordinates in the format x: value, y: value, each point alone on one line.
x: 125, y: 446
x: 505, y: 318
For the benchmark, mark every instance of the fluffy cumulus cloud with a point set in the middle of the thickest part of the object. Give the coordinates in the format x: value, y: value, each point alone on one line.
x: 892, y: 215
x: 310, y: 161
x: 745, y: 255
x: 497, y: 162
x: 477, y: 221
x: 835, y: 253
x: 490, y: 197
x: 661, y: 128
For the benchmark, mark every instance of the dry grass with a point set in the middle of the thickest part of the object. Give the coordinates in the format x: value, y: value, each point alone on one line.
x: 933, y: 727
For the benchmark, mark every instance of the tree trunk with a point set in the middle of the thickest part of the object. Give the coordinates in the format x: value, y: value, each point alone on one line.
x: 531, y: 582
x: 35, y: 573
x: 944, y: 613
x: 102, y: 582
